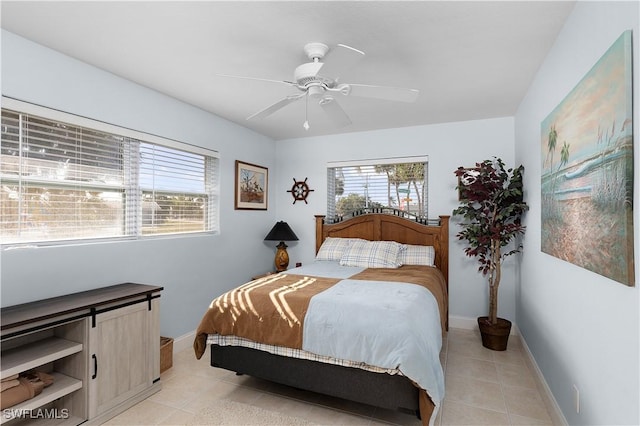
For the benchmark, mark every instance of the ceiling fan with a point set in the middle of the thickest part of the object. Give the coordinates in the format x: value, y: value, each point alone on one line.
x: 319, y: 81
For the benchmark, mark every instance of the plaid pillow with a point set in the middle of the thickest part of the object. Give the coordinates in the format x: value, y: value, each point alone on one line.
x: 333, y: 248
x: 417, y: 255
x: 372, y: 254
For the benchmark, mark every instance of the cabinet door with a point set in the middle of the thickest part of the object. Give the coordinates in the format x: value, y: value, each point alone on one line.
x: 121, y: 352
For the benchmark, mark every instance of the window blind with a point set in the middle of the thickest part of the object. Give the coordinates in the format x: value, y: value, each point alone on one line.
x: 173, y: 190
x: 397, y: 186
x: 60, y: 181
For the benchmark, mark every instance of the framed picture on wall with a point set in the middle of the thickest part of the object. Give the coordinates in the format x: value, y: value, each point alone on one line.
x: 251, y: 191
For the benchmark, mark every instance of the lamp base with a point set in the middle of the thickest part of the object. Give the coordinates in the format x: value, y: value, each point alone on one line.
x: 282, y: 257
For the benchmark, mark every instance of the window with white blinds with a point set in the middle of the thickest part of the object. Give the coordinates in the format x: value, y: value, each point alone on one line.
x: 391, y: 185
x: 62, y: 181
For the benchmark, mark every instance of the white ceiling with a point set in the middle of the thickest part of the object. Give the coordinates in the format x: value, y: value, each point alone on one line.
x: 469, y: 59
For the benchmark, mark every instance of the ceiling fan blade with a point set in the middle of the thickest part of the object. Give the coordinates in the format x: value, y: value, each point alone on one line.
x: 288, y: 83
x: 310, y: 69
x: 398, y: 94
x: 340, y: 59
x: 335, y: 111
x: 275, y: 107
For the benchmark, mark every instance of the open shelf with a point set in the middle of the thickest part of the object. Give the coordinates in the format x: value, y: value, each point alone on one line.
x: 62, y: 385
x: 35, y: 354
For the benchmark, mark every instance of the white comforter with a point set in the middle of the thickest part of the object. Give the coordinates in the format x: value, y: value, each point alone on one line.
x: 389, y: 325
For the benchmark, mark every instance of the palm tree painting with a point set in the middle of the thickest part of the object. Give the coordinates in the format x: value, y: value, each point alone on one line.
x: 587, y: 170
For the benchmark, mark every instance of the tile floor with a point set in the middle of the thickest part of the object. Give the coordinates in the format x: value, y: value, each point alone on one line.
x: 483, y: 387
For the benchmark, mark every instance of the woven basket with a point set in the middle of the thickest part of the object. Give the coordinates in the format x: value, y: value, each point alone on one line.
x: 166, y: 353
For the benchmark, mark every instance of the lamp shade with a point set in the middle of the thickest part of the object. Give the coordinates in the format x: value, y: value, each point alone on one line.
x: 281, y: 231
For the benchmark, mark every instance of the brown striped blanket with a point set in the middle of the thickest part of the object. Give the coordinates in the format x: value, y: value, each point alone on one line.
x: 272, y: 309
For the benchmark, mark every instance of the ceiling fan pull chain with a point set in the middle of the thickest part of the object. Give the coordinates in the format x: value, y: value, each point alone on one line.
x: 305, y: 125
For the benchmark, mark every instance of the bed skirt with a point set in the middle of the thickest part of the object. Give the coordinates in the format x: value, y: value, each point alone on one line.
x: 393, y: 392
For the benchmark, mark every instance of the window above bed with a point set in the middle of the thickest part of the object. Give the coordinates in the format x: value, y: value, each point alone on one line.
x: 389, y: 185
x: 67, y: 178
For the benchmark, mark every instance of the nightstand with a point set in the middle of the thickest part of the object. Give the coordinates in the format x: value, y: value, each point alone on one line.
x: 266, y: 274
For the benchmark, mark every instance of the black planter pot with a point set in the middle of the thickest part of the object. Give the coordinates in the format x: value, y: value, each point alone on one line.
x: 494, y: 337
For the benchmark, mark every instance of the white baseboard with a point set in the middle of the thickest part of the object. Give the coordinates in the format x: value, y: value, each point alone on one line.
x: 183, y: 342
x: 545, y: 391
x: 463, y: 323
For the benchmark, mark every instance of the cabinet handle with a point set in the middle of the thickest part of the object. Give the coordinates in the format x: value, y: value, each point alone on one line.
x: 95, y: 366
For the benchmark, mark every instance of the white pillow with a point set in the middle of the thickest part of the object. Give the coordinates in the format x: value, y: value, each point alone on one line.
x: 333, y: 248
x: 372, y: 254
x: 418, y: 255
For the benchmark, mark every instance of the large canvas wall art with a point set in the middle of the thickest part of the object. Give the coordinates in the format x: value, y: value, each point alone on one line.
x: 587, y: 170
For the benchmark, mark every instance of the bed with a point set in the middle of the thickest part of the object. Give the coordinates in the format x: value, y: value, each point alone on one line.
x: 288, y: 346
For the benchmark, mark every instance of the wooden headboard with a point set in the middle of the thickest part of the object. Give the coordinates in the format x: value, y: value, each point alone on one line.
x: 387, y: 227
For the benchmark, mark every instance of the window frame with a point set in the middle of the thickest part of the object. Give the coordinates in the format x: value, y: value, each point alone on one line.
x: 132, y: 228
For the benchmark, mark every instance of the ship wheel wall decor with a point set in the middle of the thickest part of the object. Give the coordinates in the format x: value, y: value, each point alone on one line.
x: 300, y: 190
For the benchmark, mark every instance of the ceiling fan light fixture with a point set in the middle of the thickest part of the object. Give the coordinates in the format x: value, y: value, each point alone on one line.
x: 315, y: 90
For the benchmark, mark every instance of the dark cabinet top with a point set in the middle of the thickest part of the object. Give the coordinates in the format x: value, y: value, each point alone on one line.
x: 73, y: 305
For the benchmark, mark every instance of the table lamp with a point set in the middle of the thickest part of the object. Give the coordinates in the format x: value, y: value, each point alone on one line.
x: 282, y: 232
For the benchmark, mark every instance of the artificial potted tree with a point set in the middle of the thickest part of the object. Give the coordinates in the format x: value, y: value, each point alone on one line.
x: 492, y: 204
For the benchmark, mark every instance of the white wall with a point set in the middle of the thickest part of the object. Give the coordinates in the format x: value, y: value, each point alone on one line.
x: 192, y: 269
x: 448, y: 146
x: 582, y: 328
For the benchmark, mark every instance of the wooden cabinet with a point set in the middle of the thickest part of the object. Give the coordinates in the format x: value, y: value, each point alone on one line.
x: 125, y: 362
x: 101, y: 346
